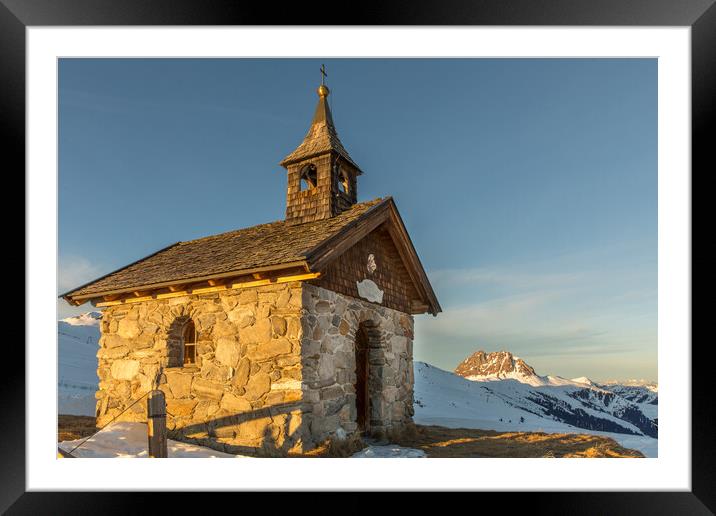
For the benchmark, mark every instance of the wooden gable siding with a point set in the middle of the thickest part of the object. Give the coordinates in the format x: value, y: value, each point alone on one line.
x: 391, y: 276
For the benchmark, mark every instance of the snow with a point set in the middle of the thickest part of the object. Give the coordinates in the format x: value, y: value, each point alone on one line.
x: 646, y: 445
x: 129, y: 440
x: 647, y: 384
x: 85, y: 319
x: 78, y: 342
x: 530, y: 379
x: 611, y: 401
x: 389, y: 452
x: 446, y: 399
x: 643, y: 396
x: 533, y: 380
x: 650, y: 411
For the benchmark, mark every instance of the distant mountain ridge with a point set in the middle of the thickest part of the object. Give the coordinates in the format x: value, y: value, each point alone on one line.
x: 85, y: 319
x: 579, y: 402
x: 482, y: 365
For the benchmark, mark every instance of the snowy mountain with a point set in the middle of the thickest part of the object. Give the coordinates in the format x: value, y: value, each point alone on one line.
x: 579, y: 402
x: 446, y: 399
x: 645, y: 396
x: 503, y: 365
x: 85, y: 319
x: 78, y: 342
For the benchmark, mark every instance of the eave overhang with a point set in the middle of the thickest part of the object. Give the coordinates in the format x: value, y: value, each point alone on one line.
x: 309, y: 268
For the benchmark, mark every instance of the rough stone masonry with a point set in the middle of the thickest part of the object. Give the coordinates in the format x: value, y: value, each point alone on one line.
x: 275, y: 366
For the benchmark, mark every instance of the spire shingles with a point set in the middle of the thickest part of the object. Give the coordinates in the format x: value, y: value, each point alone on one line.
x: 322, y: 136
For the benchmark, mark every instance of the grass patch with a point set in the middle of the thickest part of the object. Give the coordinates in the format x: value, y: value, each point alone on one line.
x: 438, y: 441
x: 70, y: 428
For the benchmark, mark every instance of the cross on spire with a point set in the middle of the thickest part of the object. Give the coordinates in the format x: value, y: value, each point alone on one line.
x: 323, y: 74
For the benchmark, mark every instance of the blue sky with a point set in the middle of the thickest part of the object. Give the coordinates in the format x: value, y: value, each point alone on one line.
x: 528, y: 186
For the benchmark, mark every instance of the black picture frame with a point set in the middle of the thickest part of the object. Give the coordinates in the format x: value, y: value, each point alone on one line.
x: 700, y: 15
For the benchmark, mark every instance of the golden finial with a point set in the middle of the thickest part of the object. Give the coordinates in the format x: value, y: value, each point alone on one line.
x: 323, y: 90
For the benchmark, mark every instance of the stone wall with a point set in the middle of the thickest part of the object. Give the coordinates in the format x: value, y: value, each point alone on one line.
x: 329, y: 332
x: 275, y: 368
x: 244, y: 392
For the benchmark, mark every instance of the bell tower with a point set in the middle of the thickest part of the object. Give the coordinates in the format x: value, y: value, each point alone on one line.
x: 322, y: 177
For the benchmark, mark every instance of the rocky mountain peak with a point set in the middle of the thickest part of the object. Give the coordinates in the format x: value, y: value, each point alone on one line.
x: 85, y: 319
x: 497, y: 363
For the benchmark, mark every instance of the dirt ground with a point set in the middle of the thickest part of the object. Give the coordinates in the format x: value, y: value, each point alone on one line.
x: 70, y: 428
x: 438, y: 441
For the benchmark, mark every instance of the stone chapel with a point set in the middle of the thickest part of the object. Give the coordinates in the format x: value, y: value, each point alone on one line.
x: 273, y: 338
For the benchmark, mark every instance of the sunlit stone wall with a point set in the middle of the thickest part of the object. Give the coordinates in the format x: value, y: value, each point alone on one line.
x: 275, y: 368
x: 329, y: 367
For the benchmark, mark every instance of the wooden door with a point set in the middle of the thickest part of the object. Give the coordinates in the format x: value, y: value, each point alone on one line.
x: 362, y: 399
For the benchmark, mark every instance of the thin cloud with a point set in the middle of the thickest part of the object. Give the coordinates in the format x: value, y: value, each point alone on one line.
x: 513, y: 279
x: 74, y: 271
x: 493, y: 315
x: 557, y: 315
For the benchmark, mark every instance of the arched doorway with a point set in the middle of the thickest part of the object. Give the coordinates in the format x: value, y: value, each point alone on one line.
x: 361, y: 385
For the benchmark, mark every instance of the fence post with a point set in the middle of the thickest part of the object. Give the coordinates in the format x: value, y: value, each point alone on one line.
x: 157, y: 424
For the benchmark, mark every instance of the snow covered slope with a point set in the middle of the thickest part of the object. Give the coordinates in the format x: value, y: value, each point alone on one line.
x: 78, y: 342
x: 646, y: 397
x: 446, y: 399
x: 579, y: 402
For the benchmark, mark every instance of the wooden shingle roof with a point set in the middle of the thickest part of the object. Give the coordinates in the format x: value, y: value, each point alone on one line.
x: 322, y: 136
x: 275, y: 243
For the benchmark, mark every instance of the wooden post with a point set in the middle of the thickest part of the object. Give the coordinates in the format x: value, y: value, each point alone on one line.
x: 157, y: 424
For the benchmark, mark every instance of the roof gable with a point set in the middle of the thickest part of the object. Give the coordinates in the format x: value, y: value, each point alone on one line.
x: 277, y: 245
x: 384, y: 215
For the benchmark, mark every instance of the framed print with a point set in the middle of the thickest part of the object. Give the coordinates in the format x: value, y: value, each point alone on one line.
x: 444, y: 233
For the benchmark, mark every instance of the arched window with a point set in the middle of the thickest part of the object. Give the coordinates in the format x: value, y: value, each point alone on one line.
x: 344, y: 182
x: 189, y: 339
x: 309, y: 177
x: 183, y: 338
